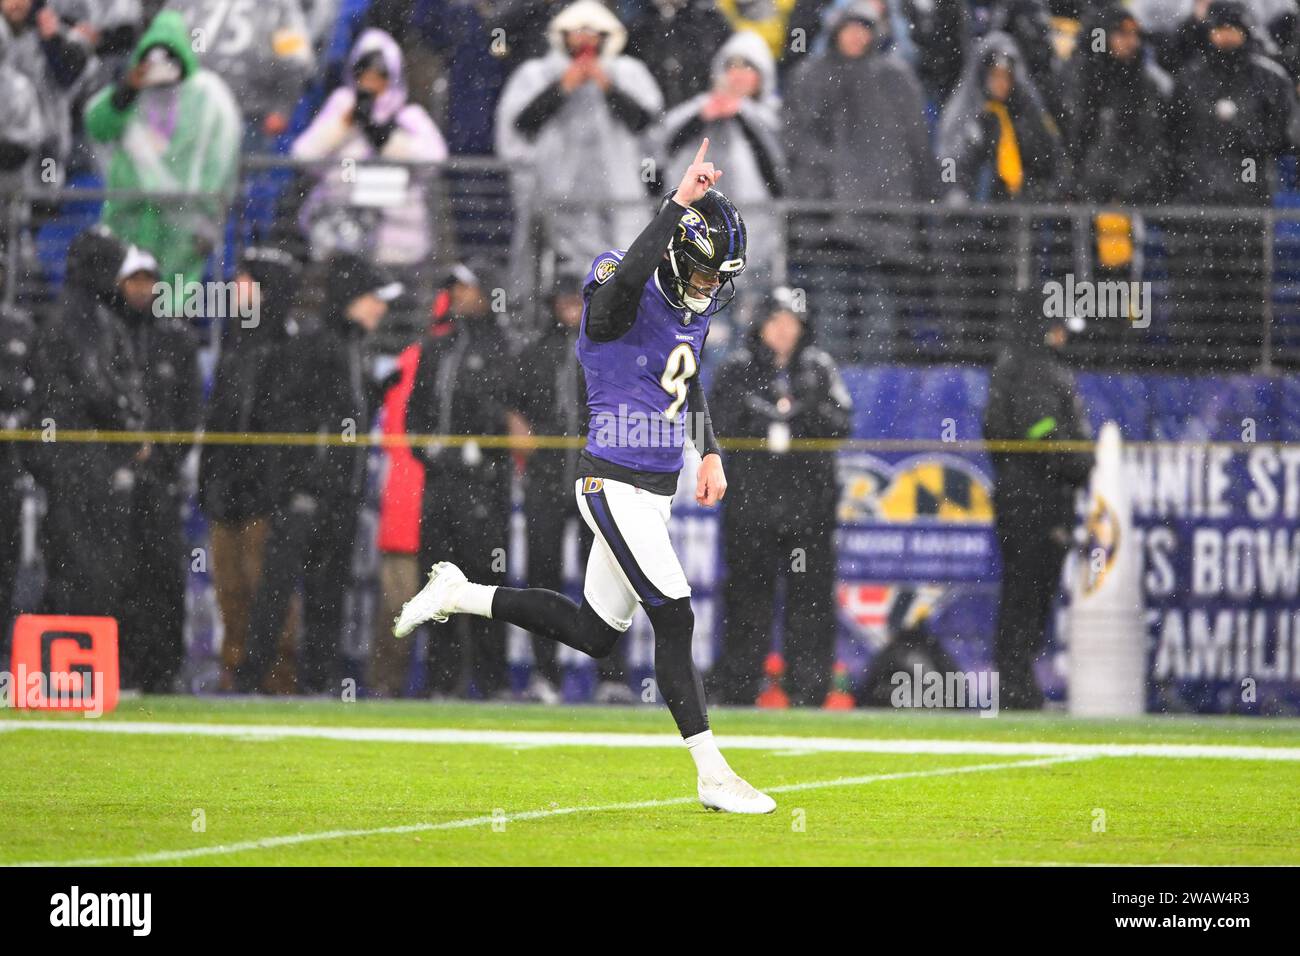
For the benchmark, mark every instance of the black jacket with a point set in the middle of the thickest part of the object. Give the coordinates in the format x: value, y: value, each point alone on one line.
x: 552, y: 402
x: 167, y: 350
x: 16, y: 382
x: 319, y: 384
x: 466, y: 383
x: 1117, y: 127
x: 1029, y: 386
x: 16, y: 386
x: 85, y: 365
x: 1228, y: 109
x: 234, y: 483
x: 789, y: 488
x: 233, y: 480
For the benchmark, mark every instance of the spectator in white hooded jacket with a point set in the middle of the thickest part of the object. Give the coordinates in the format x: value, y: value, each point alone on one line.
x: 740, y: 114
x: 571, y: 125
x: 369, y: 118
x: 22, y: 126
x: 56, y: 60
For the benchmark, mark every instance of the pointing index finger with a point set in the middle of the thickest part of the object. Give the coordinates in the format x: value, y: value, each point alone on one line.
x: 699, y: 155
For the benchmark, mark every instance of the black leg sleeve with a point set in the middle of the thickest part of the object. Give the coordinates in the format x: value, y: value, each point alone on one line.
x: 551, y: 615
x: 679, y: 682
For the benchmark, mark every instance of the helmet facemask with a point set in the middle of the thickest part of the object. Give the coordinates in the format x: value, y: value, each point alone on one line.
x: 697, y: 299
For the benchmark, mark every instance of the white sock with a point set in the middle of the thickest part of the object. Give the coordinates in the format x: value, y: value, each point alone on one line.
x: 709, y: 761
x: 475, y: 599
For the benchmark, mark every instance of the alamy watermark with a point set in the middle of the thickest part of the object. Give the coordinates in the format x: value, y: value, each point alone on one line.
x: 937, y: 690
x: 1086, y: 299
x: 60, y: 690
x: 631, y: 428
x: 212, y: 300
x: 133, y: 911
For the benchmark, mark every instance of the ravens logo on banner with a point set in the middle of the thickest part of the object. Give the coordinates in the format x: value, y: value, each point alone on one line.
x: 938, y: 488
x: 885, y: 499
x: 1102, y: 545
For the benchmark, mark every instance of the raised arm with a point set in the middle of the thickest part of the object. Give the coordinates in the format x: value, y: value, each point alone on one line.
x: 612, y: 308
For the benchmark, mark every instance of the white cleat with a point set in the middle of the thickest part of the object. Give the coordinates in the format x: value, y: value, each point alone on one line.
x: 435, y: 602
x: 731, y: 794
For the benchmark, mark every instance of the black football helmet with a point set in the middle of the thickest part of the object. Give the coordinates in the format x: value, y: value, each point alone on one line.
x: 710, y: 239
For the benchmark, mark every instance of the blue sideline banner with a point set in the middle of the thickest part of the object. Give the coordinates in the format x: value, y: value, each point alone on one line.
x: 1220, y: 539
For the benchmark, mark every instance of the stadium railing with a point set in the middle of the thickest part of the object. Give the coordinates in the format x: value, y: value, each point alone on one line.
x: 1171, y: 287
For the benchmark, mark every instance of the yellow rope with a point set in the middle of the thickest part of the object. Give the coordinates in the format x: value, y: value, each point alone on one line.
x: 559, y: 442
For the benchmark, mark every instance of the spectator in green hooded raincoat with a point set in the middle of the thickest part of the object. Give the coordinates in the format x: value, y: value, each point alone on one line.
x: 175, y: 128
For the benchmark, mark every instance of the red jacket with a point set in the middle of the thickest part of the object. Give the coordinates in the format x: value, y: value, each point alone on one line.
x: 399, y: 505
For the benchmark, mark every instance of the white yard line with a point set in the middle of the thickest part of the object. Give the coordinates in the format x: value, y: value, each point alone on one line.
x: 173, y: 856
x: 539, y: 738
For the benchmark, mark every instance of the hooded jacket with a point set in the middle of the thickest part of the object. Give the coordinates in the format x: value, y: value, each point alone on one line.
x: 969, y: 133
x: 56, y: 70
x: 22, y: 123
x: 233, y: 479
x: 1029, y: 24
x: 1230, y: 107
x: 393, y: 128
x: 576, y: 160
x: 747, y: 145
x: 583, y: 125
x: 179, y: 138
x: 1118, y: 130
x: 1032, y: 395
x: 85, y: 366
x: 856, y: 133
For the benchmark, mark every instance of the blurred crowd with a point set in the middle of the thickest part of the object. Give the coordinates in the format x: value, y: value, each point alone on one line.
x: 283, y: 518
x: 850, y: 104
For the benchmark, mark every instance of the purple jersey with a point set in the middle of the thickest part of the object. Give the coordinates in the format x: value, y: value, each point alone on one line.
x: 636, y: 384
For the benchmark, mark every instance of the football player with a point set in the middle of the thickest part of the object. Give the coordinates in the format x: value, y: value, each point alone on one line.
x: 644, y: 325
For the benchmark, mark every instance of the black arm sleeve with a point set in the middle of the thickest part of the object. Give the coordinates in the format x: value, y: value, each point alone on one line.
x: 545, y: 105
x: 613, y: 305
x: 627, y: 110
x: 702, y: 424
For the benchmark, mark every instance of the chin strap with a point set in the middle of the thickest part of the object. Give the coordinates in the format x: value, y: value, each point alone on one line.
x: 671, y: 286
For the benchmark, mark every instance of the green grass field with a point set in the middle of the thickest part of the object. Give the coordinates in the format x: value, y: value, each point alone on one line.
x: 264, y: 782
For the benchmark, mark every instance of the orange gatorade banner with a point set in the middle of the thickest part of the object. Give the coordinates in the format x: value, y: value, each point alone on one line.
x: 64, y: 662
